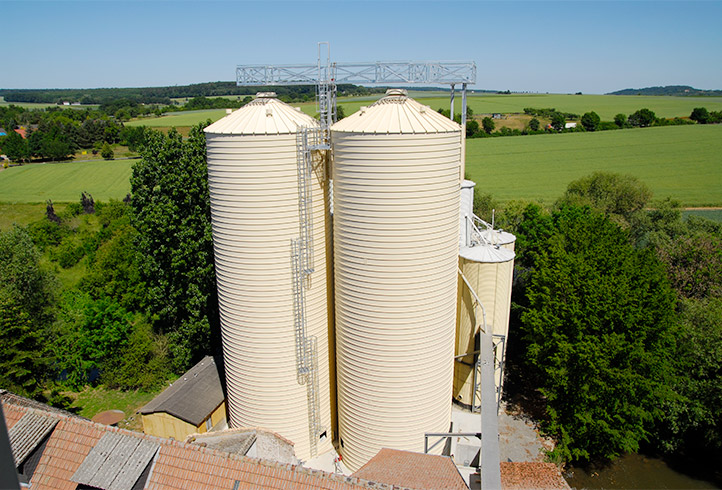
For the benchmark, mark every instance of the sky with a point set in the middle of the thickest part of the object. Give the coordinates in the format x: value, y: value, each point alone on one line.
x: 534, y: 46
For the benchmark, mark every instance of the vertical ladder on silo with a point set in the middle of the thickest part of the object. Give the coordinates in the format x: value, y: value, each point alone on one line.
x: 302, y: 267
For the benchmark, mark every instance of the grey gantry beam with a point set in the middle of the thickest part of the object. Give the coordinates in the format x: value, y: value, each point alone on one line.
x: 378, y: 72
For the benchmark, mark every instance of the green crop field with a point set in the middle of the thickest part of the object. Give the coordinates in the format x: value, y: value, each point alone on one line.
x: 64, y: 182
x: 607, y: 106
x: 683, y: 162
x: 179, y: 119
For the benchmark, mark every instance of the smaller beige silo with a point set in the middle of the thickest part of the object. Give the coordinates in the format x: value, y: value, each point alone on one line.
x: 486, y: 271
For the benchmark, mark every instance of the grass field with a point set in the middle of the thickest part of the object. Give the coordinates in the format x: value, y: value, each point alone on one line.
x: 179, y: 119
x: 607, y: 106
x: 64, y: 182
x: 684, y: 162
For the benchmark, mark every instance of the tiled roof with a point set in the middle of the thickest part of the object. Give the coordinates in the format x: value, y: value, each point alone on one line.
x: 193, y: 396
x: 527, y: 475
x: 177, y: 465
x: 415, y: 470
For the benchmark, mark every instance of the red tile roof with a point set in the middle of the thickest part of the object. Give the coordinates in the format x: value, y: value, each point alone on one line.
x: 522, y: 476
x: 178, y: 465
x: 414, y: 470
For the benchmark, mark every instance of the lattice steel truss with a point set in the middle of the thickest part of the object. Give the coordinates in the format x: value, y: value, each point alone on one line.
x: 326, y: 75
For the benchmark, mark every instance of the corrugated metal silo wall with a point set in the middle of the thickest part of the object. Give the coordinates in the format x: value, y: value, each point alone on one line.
x: 396, y: 235
x: 254, y: 202
x: 492, y: 283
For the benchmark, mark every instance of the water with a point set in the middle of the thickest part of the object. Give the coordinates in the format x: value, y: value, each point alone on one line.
x: 633, y: 471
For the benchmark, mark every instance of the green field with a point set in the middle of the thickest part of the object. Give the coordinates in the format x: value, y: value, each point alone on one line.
x: 64, y: 182
x: 607, y: 106
x: 684, y: 162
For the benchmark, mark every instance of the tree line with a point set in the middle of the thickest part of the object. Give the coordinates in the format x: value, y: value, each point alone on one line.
x: 589, y: 121
x: 163, y: 95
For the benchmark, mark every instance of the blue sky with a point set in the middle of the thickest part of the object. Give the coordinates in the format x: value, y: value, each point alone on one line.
x: 539, y: 46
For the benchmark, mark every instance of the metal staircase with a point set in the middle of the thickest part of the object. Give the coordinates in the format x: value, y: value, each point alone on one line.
x: 307, y: 140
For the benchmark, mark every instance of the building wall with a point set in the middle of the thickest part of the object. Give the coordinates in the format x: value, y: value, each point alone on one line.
x: 165, y: 425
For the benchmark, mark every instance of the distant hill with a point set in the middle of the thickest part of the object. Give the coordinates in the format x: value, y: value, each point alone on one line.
x: 676, y: 90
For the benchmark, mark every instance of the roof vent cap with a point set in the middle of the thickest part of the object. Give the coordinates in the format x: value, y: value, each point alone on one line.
x: 398, y: 92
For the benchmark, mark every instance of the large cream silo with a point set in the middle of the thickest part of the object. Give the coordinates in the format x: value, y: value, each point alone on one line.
x: 254, y: 182
x: 396, y: 168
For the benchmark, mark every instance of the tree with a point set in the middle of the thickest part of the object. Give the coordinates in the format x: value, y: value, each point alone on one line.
x: 620, y: 120
x: 621, y: 197
x: 598, y: 330
x: 488, y: 124
x: 534, y: 124
x: 171, y: 212
x: 21, y: 361
x: 107, y: 152
x: 590, y: 121
x: 15, y: 147
x: 472, y: 127
x: 558, y: 121
x: 642, y: 118
x: 700, y: 115
x: 693, y: 421
x: 23, y: 278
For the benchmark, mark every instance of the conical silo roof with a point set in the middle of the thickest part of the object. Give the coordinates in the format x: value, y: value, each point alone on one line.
x: 486, y: 254
x: 396, y: 114
x: 263, y: 115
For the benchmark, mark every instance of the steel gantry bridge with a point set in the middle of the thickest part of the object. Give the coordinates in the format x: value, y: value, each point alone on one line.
x: 327, y: 75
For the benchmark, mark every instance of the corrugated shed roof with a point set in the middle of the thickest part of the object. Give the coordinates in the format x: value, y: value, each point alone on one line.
x: 263, y: 115
x: 487, y: 254
x: 193, y: 396
x: 27, y: 433
x: 396, y: 114
x: 415, y: 470
x: 528, y: 475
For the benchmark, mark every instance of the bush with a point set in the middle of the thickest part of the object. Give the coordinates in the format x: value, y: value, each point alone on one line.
x: 590, y: 121
x: 700, y: 115
x: 107, y: 152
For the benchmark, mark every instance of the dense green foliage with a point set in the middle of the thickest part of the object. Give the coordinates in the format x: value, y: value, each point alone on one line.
x: 598, y: 331
x: 171, y: 206
x: 621, y: 321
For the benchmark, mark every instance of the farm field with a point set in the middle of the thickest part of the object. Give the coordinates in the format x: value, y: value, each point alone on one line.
x: 64, y: 182
x: 607, y: 106
x: 682, y: 162
x: 179, y: 119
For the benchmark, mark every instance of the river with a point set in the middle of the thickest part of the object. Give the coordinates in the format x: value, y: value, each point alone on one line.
x: 634, y: 471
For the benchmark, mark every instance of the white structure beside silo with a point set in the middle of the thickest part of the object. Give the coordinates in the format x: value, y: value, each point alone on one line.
x: 254, y: 189
x: 486, y: 273
x: 396, y: 175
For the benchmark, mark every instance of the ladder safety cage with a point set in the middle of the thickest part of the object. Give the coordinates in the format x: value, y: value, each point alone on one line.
x: 307, y: 140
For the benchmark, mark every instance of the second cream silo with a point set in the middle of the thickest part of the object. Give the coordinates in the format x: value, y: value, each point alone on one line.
x: 396, y: 224
x: 254, y: 189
